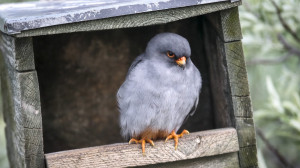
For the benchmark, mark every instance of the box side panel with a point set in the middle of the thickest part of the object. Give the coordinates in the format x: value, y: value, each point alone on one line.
x: 232, y: 81
x: 22, y: 111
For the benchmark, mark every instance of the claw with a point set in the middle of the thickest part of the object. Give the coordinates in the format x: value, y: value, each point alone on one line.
x: 184, y: 132
x: 150, y: 141
x: 143, y: 142
x: 175, y: 137
x: 133, y: 140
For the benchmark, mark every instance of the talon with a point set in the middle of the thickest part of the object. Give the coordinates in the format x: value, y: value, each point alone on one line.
x: 133, y: 140
x: 184, y: 132
x: 169, y: 137
x: 175, y: 137
x: 150, y: 141
x: 143, y: 142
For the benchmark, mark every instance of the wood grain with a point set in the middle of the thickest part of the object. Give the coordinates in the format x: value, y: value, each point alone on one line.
x: 228, y: 160
x: 230, y: 88
x: 246, y: 132
x: 242, y: 110
x: 22, y: 110
x: 219, y: 82
x: 199, y: 144
x: 136, y: 20
x: 236, y: 69
x: 242, y: 106
x: 19, y: 52
x: 246, y: 156
x: 227, y: 24
x: 15, y: 18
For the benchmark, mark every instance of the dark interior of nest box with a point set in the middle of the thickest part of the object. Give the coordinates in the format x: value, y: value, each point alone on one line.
x: 80, y: 73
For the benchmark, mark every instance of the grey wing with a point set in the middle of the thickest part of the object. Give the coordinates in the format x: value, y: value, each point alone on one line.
x: 194, y: 107
x: 127, y: 98
x: 135, y: 63
x: 193, y: 110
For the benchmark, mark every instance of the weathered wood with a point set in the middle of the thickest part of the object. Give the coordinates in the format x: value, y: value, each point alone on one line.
x: 19, y: 52
x: 229, y: 92
x: 227, y: 24
x: 21, y: 106
x: 237, y: 75
x: 137, y: 20
x: 236, y: 69
x: 238, y: 80
x: 15, y: 18
x: 242, y: 106
x: 246, y: 132
x: 229, y: 160
x: 247, y: 157
x: 230, y: 89
x: 199, y: 144
x: 219, y: 81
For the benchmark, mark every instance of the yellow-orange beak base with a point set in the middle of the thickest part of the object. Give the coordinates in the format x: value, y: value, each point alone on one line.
x: 181, y: 61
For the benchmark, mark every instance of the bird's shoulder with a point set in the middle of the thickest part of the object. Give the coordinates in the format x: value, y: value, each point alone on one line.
x: 136, y: 61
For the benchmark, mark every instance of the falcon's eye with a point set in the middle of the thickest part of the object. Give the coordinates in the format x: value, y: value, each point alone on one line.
x: 170, y: 54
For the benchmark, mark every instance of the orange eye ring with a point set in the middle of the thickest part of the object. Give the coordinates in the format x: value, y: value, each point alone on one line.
x: 170, y: 54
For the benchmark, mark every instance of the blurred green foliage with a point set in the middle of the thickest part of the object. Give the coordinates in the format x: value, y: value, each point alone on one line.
x: 273, y: 72
x: 3, y: 157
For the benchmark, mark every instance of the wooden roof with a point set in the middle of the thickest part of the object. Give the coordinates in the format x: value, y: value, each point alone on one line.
x: 18, y: 17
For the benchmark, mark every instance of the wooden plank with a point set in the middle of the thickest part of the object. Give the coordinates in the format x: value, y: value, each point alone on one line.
x: 219, y: 81
x: 15, y: 18
x: 230, y: 86
x: 22, y: 113
x: 227, y: 24
x: 248, y: 157
x: 236, y: 69
x: 198, y: 144
x: 19, y: 52
x: 242, y: 106
x: 136, y: 20
x: 242, y: 110
x: 246, y: 132
x: 228, y: 160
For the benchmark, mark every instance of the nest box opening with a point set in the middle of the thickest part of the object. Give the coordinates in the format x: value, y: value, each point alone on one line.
x: 79, y: 75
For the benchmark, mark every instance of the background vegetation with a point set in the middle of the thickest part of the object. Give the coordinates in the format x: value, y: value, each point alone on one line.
x: 271, y: 43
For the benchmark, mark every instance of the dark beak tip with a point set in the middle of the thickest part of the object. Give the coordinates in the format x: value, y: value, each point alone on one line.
x: 182, y: 66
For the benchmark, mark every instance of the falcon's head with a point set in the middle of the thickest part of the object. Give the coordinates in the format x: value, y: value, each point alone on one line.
x: 169, y: 47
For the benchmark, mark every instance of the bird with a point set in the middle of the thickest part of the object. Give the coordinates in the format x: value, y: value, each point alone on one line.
x: 160, y: 92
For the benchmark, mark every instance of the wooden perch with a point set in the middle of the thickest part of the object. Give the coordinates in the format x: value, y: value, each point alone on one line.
x: 194, y: 145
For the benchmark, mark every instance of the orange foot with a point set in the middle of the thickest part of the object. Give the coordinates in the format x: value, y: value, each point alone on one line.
x: 143, y: 142
x: 175, y: 136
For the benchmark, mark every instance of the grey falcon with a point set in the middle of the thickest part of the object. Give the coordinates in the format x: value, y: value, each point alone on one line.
x: 160, y: 92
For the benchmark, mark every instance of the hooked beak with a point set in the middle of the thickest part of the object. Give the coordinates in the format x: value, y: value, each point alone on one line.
x: 181, y: 61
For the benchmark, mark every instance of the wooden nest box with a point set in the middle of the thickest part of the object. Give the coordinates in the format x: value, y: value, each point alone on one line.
x: 62, y: 63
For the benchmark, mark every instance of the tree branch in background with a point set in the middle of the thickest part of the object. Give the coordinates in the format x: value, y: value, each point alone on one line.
x: 268, y: 61
x: 248, y: 8
x: 282, y: 160
x: 287, y: 46
x: 283, y: 23
x: 291, y: 50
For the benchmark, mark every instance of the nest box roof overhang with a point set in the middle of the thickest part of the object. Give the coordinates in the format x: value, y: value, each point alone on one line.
x: 18, y: 17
